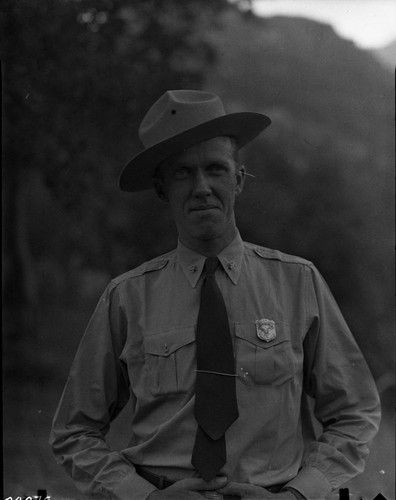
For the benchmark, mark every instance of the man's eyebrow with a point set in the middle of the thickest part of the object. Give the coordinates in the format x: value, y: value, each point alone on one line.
x: 216, y: 159
x: 210, y: 161
x: 179, y: 164
x: 222, y: 159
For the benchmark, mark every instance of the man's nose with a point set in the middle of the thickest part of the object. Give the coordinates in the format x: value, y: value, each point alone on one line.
x: 201, y: 186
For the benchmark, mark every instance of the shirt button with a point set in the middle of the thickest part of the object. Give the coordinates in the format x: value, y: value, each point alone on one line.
x: 166, y: 348
x: 231, y: 265
x: 193, y: 269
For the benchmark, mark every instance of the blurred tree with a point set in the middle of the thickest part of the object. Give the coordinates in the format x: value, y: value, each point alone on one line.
x: 78, y: 77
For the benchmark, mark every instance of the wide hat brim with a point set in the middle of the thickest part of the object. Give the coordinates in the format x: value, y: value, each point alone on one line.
x: 137, y: 174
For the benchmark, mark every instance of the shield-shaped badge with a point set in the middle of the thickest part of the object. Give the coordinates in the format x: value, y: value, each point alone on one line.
x: 265, y: 329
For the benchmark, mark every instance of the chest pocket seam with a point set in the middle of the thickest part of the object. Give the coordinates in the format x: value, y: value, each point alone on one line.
x: 169, y: 360
x: 250, y: 335
x: 261, y: 363
x: 169, y: 341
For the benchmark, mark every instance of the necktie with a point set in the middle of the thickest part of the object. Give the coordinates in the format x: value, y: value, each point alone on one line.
x: 215, y: 397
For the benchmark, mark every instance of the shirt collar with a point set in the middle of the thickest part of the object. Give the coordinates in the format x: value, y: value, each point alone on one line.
x: 193, y: 262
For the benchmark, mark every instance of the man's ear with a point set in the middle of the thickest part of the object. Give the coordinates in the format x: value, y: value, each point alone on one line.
x: 240, y: 179
x: 159, y: 189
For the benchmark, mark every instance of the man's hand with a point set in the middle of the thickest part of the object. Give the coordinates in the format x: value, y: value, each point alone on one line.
x: 187, y: 489
x: 251, y: 492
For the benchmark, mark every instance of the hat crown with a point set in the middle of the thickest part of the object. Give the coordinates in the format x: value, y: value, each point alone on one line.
x: 177, y: 111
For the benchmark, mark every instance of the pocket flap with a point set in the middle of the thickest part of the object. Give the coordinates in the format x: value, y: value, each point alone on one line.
x: 166, y: 343
x: 248, y: 332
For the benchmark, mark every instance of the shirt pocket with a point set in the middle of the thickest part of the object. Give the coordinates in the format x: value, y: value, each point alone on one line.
x: 261, y: 363
x: 170, y: 361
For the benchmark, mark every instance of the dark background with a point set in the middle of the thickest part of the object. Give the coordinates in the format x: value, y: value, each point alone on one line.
x: 78, y: 77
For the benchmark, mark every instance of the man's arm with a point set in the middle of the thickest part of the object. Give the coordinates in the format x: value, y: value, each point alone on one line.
x: 346, y: 399
x: 97, y: 389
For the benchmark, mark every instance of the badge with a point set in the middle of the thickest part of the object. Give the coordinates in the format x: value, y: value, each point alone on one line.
x: 265, y: 329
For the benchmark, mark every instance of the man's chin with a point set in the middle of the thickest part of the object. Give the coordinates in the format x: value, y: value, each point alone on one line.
x: 206, y: 231
x: 204, y: 214
x: 206, y: 222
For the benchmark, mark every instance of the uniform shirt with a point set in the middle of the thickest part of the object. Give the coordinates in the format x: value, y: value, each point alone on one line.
x: 140, y: 344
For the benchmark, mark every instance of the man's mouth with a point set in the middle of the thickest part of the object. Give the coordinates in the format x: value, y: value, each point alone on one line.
x: 202, y: 208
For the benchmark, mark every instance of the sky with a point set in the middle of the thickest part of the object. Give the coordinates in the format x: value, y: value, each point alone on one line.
x: 369, y: 23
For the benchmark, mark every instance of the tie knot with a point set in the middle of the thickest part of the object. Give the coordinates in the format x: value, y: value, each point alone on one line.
x: 211, y: 265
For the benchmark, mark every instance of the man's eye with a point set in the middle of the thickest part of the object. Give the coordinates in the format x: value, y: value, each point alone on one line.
x: 216, y: 169
x: 180, y: 173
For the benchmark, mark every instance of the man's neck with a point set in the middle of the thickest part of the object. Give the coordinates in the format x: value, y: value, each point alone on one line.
x: 209, y: 248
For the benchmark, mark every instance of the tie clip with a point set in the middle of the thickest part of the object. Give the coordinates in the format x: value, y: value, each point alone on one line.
x: 217, y: 373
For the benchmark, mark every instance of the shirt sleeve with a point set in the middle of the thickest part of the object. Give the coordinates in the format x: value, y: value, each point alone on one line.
x: 96, y: 390
x: 346, y: 401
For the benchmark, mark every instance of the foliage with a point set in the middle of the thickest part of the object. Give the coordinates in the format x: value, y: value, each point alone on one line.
x: 78, y: 78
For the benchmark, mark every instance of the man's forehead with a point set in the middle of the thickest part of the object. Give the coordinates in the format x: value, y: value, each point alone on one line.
x: 217, y: 147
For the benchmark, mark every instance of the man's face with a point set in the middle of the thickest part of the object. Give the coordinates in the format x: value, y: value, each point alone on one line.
x: 201, y: 184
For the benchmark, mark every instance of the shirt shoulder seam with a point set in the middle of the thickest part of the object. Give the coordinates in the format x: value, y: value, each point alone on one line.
x: 155, y: 264
x: 271, y: 254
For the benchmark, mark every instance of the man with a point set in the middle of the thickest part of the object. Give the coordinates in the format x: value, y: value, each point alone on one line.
x: 217, y: 344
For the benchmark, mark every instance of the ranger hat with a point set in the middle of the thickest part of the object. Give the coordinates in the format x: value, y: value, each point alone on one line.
x: 179, y: 119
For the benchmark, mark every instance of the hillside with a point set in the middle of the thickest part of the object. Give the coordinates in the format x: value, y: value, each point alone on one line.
x: 387, y: 55
x: 303, y: 66
x: 323, y: 184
